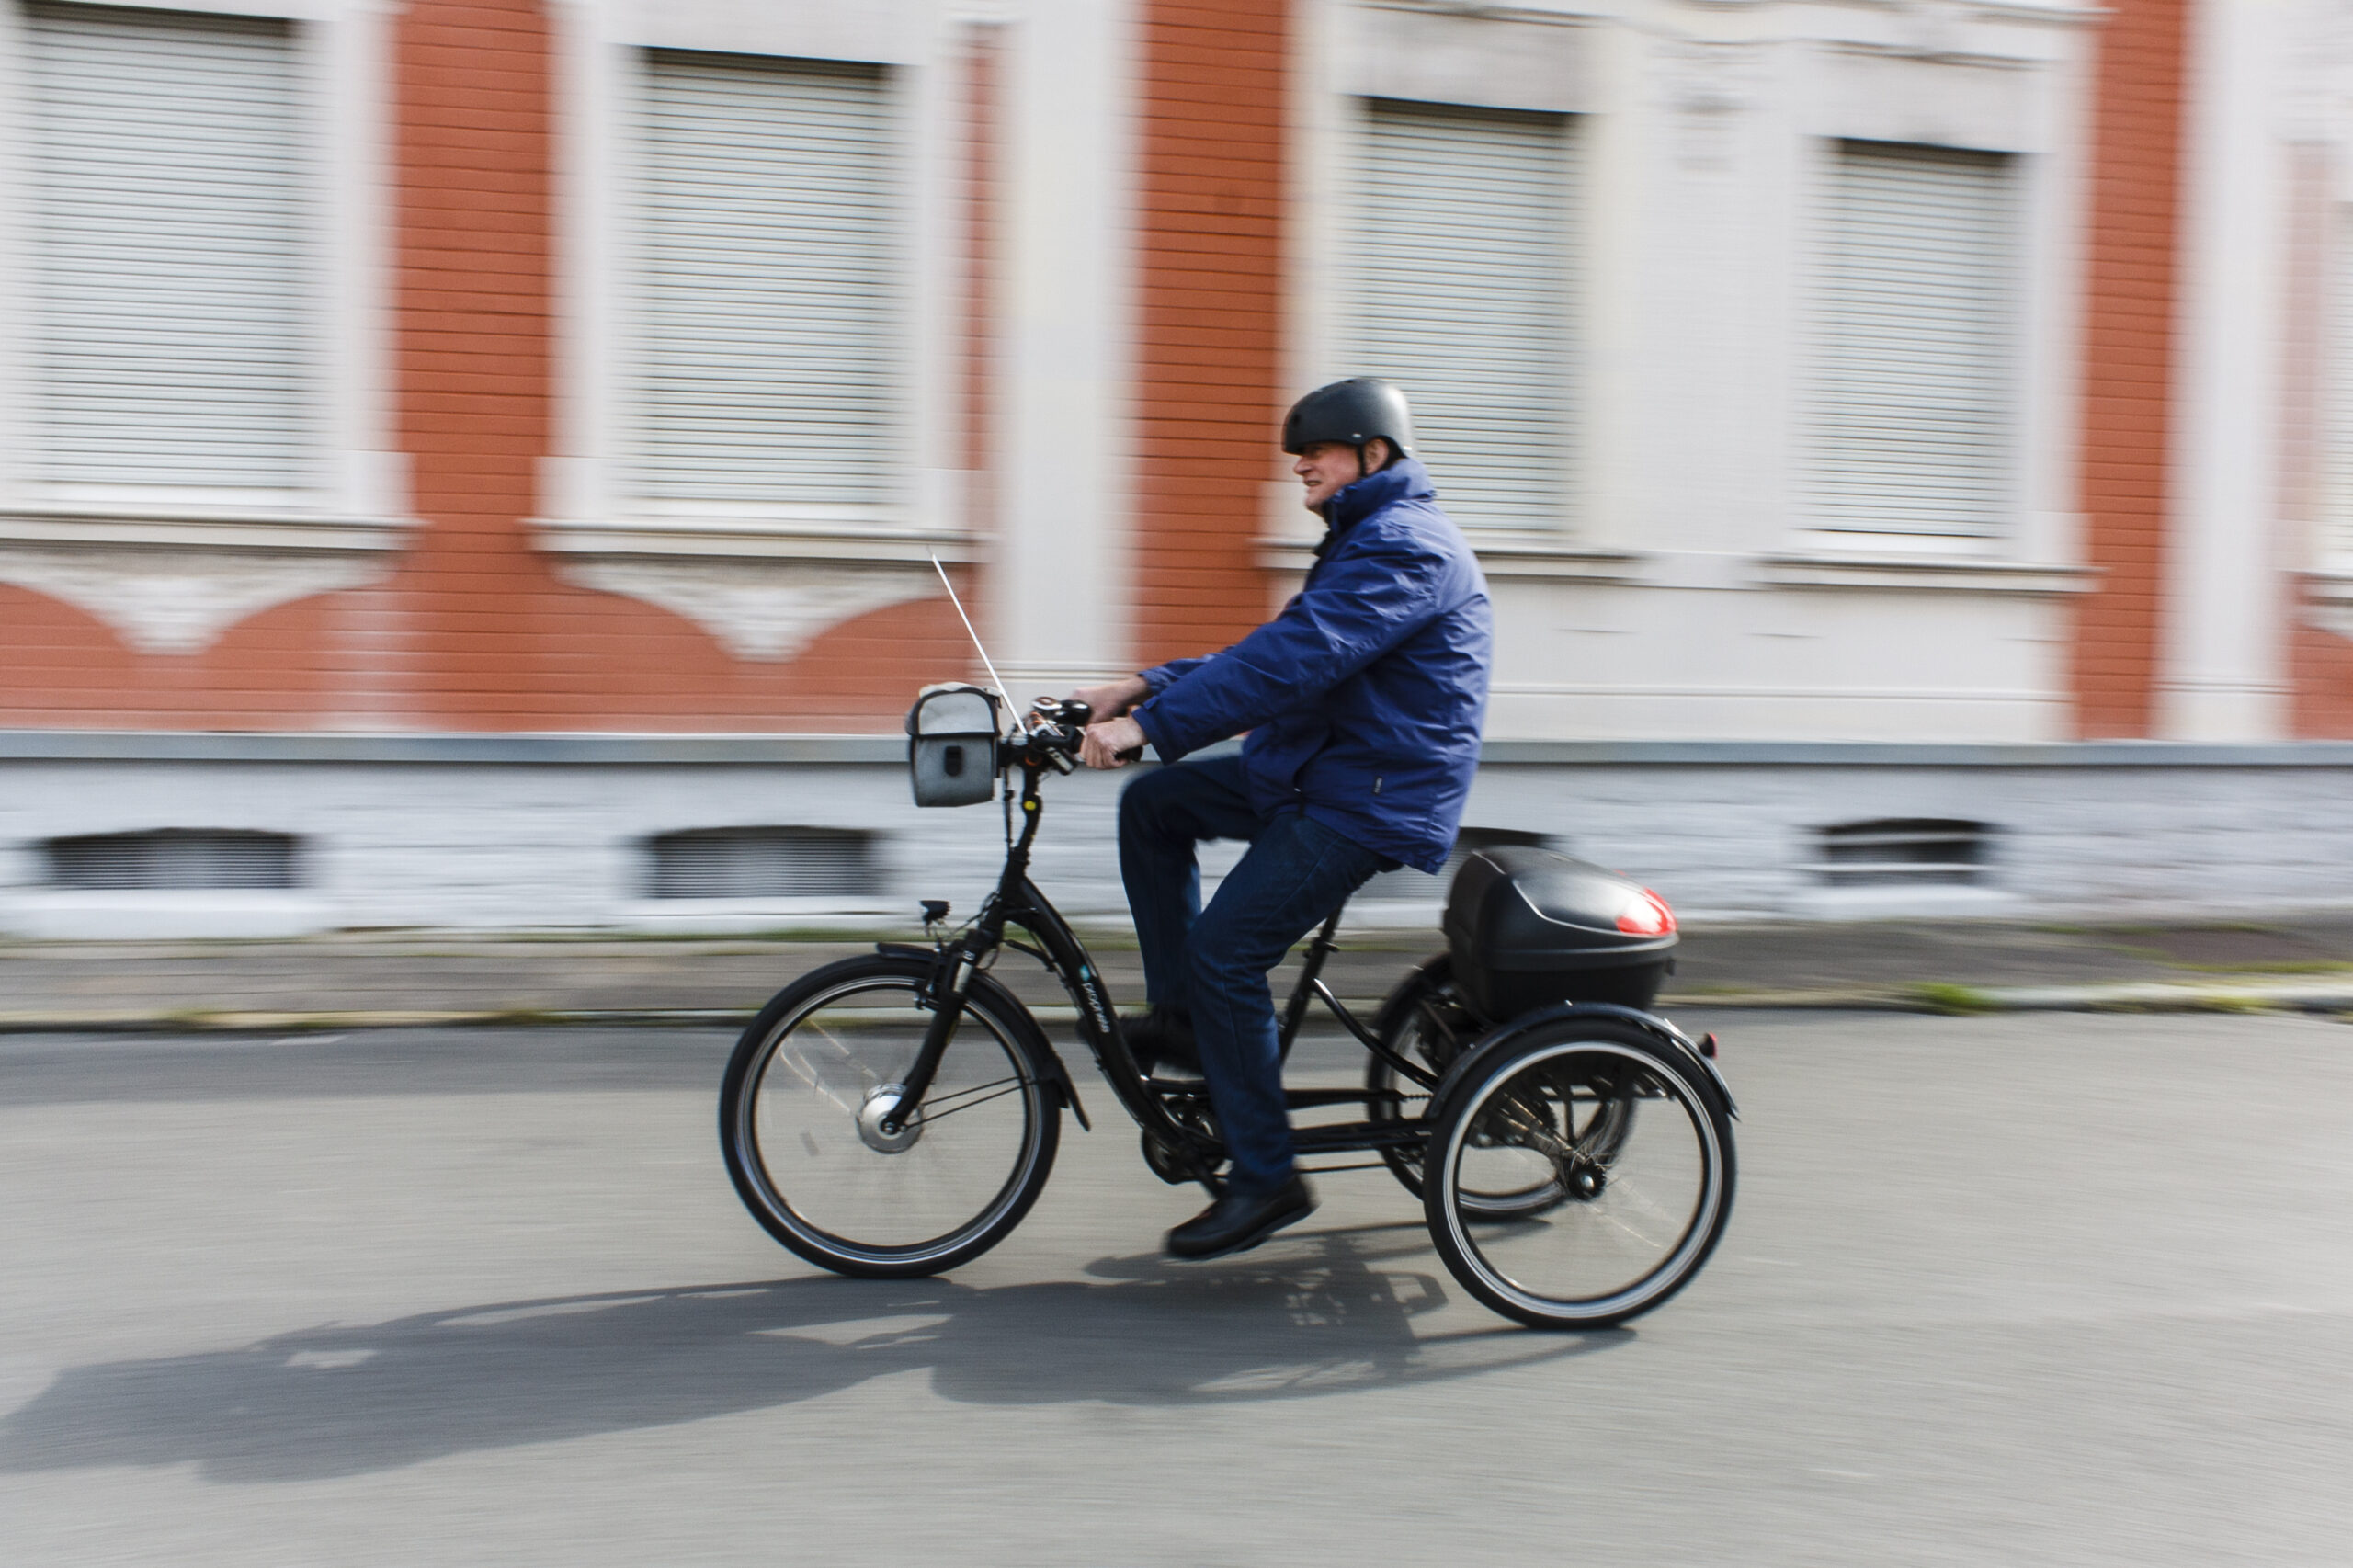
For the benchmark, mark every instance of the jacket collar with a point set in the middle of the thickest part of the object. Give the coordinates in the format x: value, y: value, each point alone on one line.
x: 1405, y: 479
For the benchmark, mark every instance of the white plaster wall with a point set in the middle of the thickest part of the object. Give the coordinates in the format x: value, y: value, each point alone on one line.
x: 1061, y: 603
x: 556, y: 846
x: 1701, y: 130
x: 1595, y: 661
x: 488, y: 846
x: 2224, y: 675
x: 1739, y: 841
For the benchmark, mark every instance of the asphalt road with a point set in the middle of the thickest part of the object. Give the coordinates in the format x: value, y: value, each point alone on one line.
x: 2046, y: 1290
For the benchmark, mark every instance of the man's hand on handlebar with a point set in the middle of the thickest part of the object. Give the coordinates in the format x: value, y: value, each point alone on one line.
x: 1113, y: 699
x: 1111, y: 744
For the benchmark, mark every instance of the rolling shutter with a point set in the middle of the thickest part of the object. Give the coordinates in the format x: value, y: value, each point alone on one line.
x: 1459, y: 290
x: 768, y: 290
x: 171, y: 250
x: 1909, y: 410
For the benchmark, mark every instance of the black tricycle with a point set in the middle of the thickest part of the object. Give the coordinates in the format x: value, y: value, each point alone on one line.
x: 896, y: 1114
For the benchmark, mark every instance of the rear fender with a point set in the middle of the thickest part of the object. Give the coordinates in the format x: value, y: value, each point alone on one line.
x: 1681, y: 1045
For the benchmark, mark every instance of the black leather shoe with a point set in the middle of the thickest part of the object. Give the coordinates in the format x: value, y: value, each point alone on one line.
x: 1161, y: 1038
x: 1239, y: 1221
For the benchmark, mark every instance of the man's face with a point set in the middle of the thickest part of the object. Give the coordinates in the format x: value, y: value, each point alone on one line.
x: 1328, y: 467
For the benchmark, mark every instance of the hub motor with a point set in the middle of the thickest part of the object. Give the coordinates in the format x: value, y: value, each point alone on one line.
x: 879, y: 1101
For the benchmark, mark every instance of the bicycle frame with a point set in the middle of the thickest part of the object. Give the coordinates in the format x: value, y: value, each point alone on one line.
x: 1016, y: 900
x: 1553, y: 1089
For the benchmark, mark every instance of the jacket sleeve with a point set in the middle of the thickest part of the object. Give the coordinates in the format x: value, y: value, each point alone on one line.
x: 1361, y: 603
x: 1160, y: 677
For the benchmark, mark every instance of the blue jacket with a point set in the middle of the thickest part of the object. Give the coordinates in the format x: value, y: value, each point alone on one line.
x: 1365, y: 697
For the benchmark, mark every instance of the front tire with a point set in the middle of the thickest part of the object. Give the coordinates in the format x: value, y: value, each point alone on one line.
x: 800, y: 1120
x: 1637, y: 1143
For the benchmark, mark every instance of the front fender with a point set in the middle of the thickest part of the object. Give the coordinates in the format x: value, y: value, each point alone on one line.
x: 1651, y: 1024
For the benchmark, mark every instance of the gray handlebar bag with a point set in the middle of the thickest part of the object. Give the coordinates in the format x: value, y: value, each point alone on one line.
x: 951, y: 745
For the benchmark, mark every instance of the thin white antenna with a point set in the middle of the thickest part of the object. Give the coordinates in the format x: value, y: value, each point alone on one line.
x: 969, y: 632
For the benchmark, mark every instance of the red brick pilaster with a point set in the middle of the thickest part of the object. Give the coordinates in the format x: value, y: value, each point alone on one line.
x: 2129, y: 359
x: 1213, y: 75
x: 473, y: 303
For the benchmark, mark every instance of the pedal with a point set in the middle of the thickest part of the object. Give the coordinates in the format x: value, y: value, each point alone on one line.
x: 1166, y: 1163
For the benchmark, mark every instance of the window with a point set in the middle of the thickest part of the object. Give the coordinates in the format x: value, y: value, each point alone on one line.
x: 1909, y: 410
x: 169, y: 337
x: 766, y: 287
x: 1458, y: 258
x: 173, y: 859
x: 764, y: 862
x: 1905, y: 852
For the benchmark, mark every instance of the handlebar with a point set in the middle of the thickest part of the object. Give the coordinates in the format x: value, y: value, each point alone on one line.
x: 1064, y: 727
x: 1054, y: 730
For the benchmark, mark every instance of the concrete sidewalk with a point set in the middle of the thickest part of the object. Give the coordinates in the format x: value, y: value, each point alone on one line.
x: 2300, y: 961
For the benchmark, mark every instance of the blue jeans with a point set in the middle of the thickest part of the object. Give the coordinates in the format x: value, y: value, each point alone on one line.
x: 1213, y: 962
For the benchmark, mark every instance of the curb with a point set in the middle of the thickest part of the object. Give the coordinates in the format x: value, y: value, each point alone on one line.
x: 230, y: 1022
x: 2252, y: 995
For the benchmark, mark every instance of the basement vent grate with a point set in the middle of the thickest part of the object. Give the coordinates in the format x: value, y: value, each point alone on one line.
x: 1906, y: 852
x: 764, y: 862
x: 173, y: 860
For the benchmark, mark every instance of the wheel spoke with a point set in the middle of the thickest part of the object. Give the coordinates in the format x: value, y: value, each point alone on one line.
x: 797, y: 1063
x: 965, y: 1099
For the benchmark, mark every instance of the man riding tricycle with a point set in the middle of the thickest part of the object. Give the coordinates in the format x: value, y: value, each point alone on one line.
x: 897, y: 1114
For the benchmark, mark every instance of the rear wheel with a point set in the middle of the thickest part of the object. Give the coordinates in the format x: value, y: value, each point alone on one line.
x: 1426, y: 1021
x: 805, y: 1095
x: 1631, y: 1145
x: 1423, y: 1021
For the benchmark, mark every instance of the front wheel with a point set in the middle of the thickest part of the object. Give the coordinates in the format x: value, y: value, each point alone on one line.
x: 802, y: 1108
x: 1635, y: 1143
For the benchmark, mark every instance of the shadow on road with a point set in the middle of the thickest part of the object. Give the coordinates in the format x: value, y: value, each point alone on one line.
x: 1314, y: 1315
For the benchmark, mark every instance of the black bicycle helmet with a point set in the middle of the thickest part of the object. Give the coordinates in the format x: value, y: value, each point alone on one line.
x: 1354, y: 412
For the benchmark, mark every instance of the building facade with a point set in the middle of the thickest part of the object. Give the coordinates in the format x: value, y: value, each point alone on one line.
x: 482, y: 461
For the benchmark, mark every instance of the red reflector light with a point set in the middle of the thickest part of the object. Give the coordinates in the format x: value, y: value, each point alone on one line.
x: 1648, y: 915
